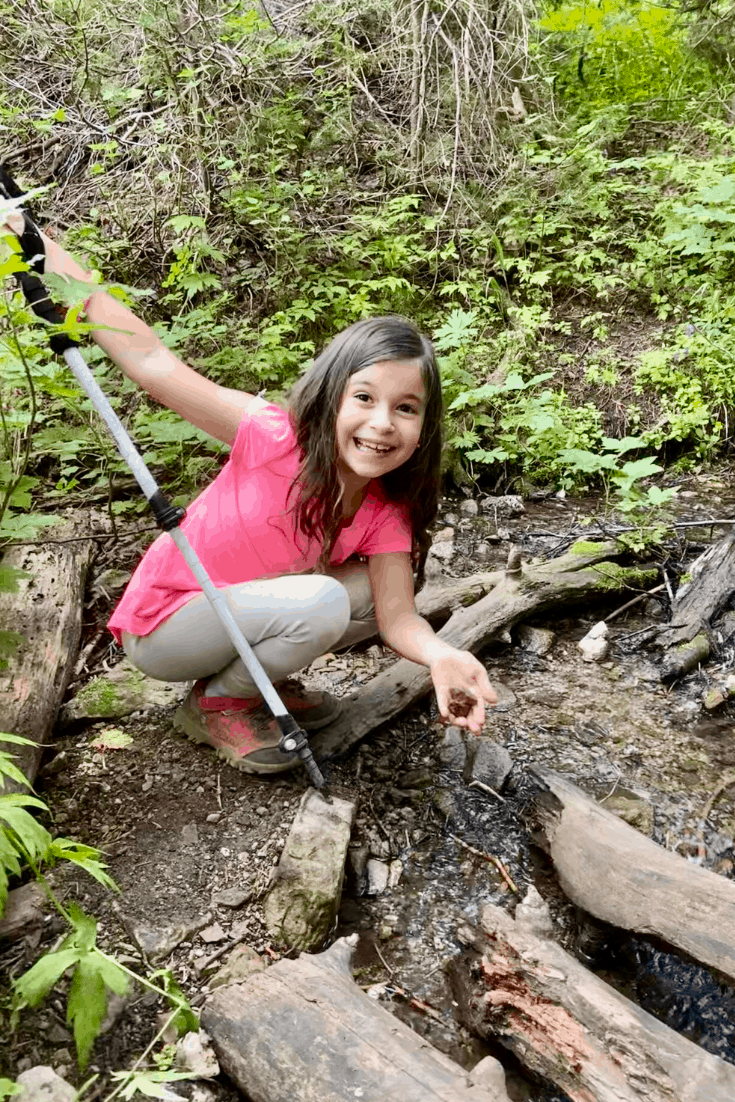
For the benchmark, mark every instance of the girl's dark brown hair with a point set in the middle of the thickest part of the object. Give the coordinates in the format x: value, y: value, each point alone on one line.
x: 314, y: 404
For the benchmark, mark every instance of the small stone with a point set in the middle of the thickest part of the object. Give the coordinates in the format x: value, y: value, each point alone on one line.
x: 147, y: 784
x: 158, y: 942
x: 212, y: 934
x: 416, y: 778
x: 489, y: 1076
x: 42, y: 1084
x: 634, y: 810
x: 595, y: 645
x: 533, y: 915
x: 57, y: 1035
x: 194, y: 1053
x: 322, y: 661
x: 730, y: 684
x: 214, y: 816
x: 452, y: 749
x: 395, y: 872
x: 378, y: 874
x: 190, y: 834
x: 451, y: 519
x: 483, y: 552
x: 469, y: 508
x: 490, y: 765
x: 23, y: 912
x: 537, y: 641
x: 446, y: 535
x: 509, y: 505
x: 232, y: 897
x: 713, y: 699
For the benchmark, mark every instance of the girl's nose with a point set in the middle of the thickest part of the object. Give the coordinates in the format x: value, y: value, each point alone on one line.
x: 380, y: 418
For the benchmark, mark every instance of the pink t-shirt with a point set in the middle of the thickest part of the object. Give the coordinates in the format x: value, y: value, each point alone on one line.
x: 241, y: 527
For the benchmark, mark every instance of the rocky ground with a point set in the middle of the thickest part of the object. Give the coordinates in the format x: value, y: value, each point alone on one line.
x: 193, y: 843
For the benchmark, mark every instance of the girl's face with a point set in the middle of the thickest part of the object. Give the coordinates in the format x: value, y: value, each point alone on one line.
x: 379, y: 420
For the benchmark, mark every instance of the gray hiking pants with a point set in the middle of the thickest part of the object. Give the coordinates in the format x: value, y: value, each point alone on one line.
x: 288, y: 621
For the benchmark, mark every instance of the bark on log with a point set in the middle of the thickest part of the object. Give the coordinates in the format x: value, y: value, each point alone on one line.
x: 568, y: 1026
x: 581, y: 573
x: 712, y: 585
x: 47, y: 612
x: 616, y: 874
x: 302, y: 1031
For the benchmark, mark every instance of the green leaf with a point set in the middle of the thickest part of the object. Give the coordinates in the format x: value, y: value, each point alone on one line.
x: 84, y: 934
x: 149, y: 1083
x: 8, y: 1088
x: 112, y: 739
x: 186, y: 1019
x: 35, y: 984
x: 86, y: 857
x: 87, y: 1005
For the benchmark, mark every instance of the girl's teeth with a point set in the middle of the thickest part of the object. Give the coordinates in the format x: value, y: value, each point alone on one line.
x: 372, y: 448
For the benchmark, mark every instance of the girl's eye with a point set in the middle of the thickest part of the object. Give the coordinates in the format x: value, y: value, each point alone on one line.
x: 362, y: 397
x: 406, y: 408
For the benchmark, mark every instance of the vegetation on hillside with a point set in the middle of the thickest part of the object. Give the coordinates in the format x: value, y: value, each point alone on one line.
x: 548, y: 191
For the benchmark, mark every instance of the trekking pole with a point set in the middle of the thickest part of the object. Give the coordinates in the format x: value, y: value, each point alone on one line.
x: 168, y: 516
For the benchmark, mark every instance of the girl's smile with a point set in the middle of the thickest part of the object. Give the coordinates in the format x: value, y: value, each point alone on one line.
x: 379, y: 421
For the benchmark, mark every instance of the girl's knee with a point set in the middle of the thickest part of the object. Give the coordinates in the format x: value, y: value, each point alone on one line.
x: 330, y: 608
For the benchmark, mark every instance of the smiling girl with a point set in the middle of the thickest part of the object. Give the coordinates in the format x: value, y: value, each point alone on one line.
x: 314, y: 529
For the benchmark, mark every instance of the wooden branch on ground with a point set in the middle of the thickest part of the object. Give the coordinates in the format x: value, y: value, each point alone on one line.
x: 47, y: 612
x: 568, y: 1026
x: 584, y: 572
x: 711, y: 587
x: 303, y: 1031
x: 618, y: 875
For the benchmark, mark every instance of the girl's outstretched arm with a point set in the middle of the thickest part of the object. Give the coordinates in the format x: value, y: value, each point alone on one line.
x: 457, y: 674
x: 144, y: 358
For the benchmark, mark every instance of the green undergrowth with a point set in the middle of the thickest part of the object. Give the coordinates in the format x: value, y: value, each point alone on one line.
x: 262, y: 187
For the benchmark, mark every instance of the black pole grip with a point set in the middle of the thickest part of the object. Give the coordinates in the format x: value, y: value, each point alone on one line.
x: 31, y: 244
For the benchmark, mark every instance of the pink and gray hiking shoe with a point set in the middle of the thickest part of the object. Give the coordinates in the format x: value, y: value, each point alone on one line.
x: 241, y: 731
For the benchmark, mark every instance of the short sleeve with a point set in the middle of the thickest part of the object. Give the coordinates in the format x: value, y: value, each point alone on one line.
x: 390, y: 531
x: 264, y: 433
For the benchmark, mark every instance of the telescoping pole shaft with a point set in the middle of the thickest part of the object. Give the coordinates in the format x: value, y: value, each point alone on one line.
x: 169, y: 518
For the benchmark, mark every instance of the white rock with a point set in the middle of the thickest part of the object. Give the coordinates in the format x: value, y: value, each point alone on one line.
x: 533, y: 915
x: 378, y: 874
x: 469, y: 508
x: 194, y: 1053
x: 490, y: 1076
x: 595, y: 645
x: 42, y: 1084
x: 395, y: 871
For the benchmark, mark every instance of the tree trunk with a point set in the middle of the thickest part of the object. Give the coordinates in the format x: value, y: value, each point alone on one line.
x: 47, y: 612
x: 582, y: 573
x: 711, y: 586
x: 568, y: 1026
x: 303, y: 1031
x: 616, y: 874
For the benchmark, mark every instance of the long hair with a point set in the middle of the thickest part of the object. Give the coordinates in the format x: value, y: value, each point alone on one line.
x: 314, y: 404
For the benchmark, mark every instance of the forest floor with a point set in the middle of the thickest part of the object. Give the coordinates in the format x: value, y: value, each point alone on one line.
x: 179, y: 827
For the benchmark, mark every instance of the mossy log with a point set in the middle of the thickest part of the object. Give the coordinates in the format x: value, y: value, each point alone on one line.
x: 616, y: 874
x: 697, y: 604
x: 46, y: 613
x: 567, y: 1026
x: 585, y: 572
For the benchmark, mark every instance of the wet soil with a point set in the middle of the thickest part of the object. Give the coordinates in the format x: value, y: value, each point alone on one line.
x: 178, y: 826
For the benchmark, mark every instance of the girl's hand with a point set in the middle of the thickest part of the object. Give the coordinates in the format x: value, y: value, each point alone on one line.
x: 13, y: 223
x: 462, y: 689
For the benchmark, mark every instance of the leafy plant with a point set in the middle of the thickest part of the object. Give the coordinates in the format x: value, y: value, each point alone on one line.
x: 25, y: 843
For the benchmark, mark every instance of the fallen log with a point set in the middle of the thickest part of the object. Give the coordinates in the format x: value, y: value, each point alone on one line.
x: 568, y: 1026
x: 585, y: 571
x: 303, y: 1031
x: 46, y: 612
x: 618, y: 875
x: 697, y: 604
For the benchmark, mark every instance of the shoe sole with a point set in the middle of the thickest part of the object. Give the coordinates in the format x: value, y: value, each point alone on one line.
x: 185, y: 724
